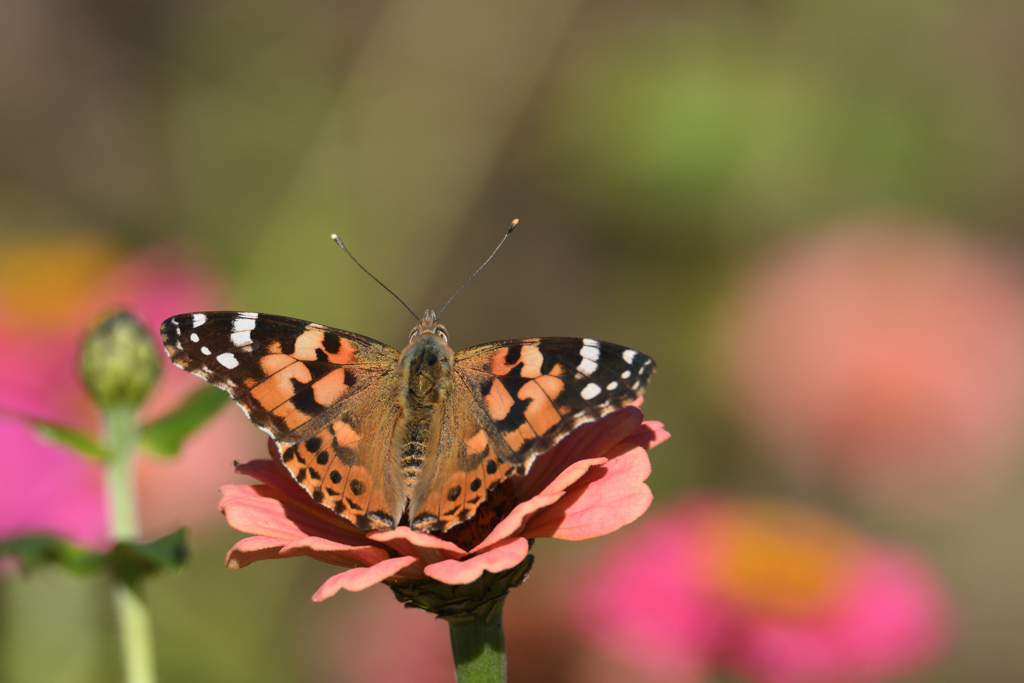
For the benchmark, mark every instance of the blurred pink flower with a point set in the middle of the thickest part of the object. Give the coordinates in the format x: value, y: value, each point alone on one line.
x: 771, y: 592
x: 589, y: 485
x: 888, y: 362
x: 50, y: 292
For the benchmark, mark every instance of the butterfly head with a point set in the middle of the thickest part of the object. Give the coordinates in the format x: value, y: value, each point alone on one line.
x: 429, y: 325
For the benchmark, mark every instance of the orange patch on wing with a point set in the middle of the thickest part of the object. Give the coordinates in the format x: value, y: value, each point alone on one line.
x: 328, y: 388
x: 516, y: 440
x: 541, y: 414
x: 346, y: 352
x: 476, y: 444
x: 344, y: 434
x: 275, y: 363
x: 278, y: 388
x: 498, y: 401
x: 292, y: 416
x: 499, y: 364
x: 532, y: 360
x: 307, y: 343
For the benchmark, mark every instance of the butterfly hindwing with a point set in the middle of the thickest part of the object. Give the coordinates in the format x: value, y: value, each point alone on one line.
x: 467, y: 462
x: 349, y: 467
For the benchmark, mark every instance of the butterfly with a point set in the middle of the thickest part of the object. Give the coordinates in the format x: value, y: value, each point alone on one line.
x: 419, y: 436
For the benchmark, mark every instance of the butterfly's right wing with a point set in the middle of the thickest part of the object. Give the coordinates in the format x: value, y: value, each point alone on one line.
x: 514, y: 400
x: 326, y: 396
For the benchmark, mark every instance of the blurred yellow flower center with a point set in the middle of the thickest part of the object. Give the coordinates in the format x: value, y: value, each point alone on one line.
x: 43, y: 281
x: 779, y: 560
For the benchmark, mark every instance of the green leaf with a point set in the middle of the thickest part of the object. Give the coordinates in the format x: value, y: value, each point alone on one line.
x: 35, y: 551
x: 80, y: 441
x: 132, y: 562
x: 166, y: 435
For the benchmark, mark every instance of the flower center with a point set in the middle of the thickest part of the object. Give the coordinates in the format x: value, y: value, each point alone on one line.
x: 500, y: 500
x: 779, y: 560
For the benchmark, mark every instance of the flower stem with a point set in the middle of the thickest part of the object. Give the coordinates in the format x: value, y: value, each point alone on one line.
x: 132, y: 616
x: 478, y: 645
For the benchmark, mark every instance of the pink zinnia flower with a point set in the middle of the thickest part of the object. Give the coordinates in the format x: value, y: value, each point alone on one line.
x: 589, y: 485
x: 50, y: 292
x: 771, y: 592
x: 885, y: 360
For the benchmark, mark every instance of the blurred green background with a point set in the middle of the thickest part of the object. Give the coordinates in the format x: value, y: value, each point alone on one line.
x: 653, y: 151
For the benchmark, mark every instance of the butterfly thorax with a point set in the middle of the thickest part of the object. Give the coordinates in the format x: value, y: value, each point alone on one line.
x: 426, y: 372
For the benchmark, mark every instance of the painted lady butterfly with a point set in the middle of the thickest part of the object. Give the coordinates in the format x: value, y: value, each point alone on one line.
x: 420, y: 436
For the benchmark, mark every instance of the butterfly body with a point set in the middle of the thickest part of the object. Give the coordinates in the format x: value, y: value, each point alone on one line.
x: 420, y: 436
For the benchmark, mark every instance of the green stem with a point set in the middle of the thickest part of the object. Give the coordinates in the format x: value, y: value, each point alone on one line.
x: 478, y: 645
x: 132, y: 616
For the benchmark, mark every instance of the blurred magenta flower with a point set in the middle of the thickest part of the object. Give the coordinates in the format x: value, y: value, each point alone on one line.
x: 589, y: 485
x: 767, y: 591
x: 50, y: 292
x: 885, y: 360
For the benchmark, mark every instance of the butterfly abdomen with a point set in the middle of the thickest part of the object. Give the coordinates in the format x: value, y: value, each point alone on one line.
x: 427, y: 365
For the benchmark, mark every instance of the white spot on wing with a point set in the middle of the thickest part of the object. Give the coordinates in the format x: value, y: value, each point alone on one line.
x: 628, y: 355
x: 194, y: 337
x: 586, y: 366
x: 241, y: 338
x: 206, y: 351
x: 612, y: 386
x: 198, y: 319
x: 251, y: 316
x: 591, y: 352
x: 626, y: 374
x: 590, y: 391
x: 243, y: 322
x: 228, y: 360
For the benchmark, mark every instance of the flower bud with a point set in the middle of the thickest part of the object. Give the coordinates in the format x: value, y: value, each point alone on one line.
x: 119, y: 363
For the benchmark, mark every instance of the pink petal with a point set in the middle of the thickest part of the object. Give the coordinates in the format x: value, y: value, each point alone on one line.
x: 497, y: 559
x: 648, y: 435
x: 587, y: 442
x: 335, y: 553
x: 263, y: 511
x: 363, y: 577
x: 253, y: 549
x: 605, y: 499
x: 273, y: 474
x: 516, y: 520
x: 427, y: 547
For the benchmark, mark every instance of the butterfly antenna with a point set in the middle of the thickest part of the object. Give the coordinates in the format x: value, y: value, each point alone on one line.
x: 507, y: 233
x: 345, y: 249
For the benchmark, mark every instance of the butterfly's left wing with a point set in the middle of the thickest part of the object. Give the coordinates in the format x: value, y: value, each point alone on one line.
x: 326, y: 396
x: 514, y: 400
